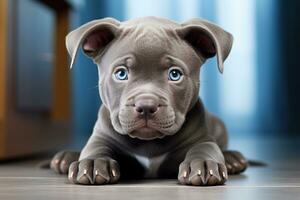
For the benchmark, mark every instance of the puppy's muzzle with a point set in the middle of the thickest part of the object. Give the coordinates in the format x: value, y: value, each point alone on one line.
x: 146, y: 106
x: 147, y: 116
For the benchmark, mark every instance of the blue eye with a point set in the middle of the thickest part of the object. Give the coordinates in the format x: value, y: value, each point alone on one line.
x: 121, y: 74
x: 175, y: 74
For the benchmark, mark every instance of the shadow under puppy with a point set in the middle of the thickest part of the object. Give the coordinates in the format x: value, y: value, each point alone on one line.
x: 152, y: 123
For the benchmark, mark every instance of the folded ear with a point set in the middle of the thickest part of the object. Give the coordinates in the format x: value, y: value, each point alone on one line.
x: 207, y: 39
x: 93, y: 37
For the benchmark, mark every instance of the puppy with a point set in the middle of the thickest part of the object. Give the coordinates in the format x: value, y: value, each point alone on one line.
x: 152, y: 123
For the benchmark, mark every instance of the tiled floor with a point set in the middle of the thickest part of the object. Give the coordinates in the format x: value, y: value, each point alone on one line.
x: 280, y: 179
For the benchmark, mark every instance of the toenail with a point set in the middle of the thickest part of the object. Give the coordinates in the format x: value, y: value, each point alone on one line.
x: 113, y: 173
x: 243, y: 161
x: 199, y: 172
x: 224, y: 175
x: 71, y: 175
x: 184, y: 174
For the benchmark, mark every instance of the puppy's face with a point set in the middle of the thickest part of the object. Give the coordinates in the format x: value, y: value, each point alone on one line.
x: 148, y: 74
x: 148, y: 82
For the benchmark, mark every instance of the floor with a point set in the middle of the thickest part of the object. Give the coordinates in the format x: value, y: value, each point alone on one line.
x: 280, y: 179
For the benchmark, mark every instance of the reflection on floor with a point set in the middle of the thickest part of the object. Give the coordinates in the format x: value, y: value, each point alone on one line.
x: 280, y: 179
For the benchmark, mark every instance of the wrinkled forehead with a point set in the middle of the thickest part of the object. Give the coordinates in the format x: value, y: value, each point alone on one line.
x: 149, y: 45
x: 149, y: 39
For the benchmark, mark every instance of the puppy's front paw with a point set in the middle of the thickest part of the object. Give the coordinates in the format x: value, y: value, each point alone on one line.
x: 94, y: 171
x: 61, y: 161
x: 202, y: 172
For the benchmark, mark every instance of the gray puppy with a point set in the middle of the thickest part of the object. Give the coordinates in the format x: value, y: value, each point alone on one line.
x: 152, y: 122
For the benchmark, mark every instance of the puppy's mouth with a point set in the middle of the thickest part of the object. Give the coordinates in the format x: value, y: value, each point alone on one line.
x: 146, y: 129
x: 146, y: 133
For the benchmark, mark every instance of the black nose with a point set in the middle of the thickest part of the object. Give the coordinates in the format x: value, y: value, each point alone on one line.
x: 146, y: 107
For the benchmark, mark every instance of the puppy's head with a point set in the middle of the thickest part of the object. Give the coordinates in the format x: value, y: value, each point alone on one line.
x: 149, y: 69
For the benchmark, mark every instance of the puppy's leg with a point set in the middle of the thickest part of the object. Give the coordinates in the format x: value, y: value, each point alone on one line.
x: 203, y: 165
x: 234, y: 160
x: 217, y: 129
x: 61, y: 161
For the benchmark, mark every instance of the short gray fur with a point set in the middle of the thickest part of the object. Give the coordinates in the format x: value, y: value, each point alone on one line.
x: 148, y: 125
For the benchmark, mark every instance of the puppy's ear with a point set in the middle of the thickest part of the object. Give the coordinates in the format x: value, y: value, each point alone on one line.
x: 93, y: 37
x: 207, y: 39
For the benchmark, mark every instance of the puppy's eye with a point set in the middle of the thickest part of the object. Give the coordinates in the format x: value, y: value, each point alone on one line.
x: 121, y: 74
x: 175, y: 74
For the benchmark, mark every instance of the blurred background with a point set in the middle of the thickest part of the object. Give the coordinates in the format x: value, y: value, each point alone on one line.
x: 45, y: 106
